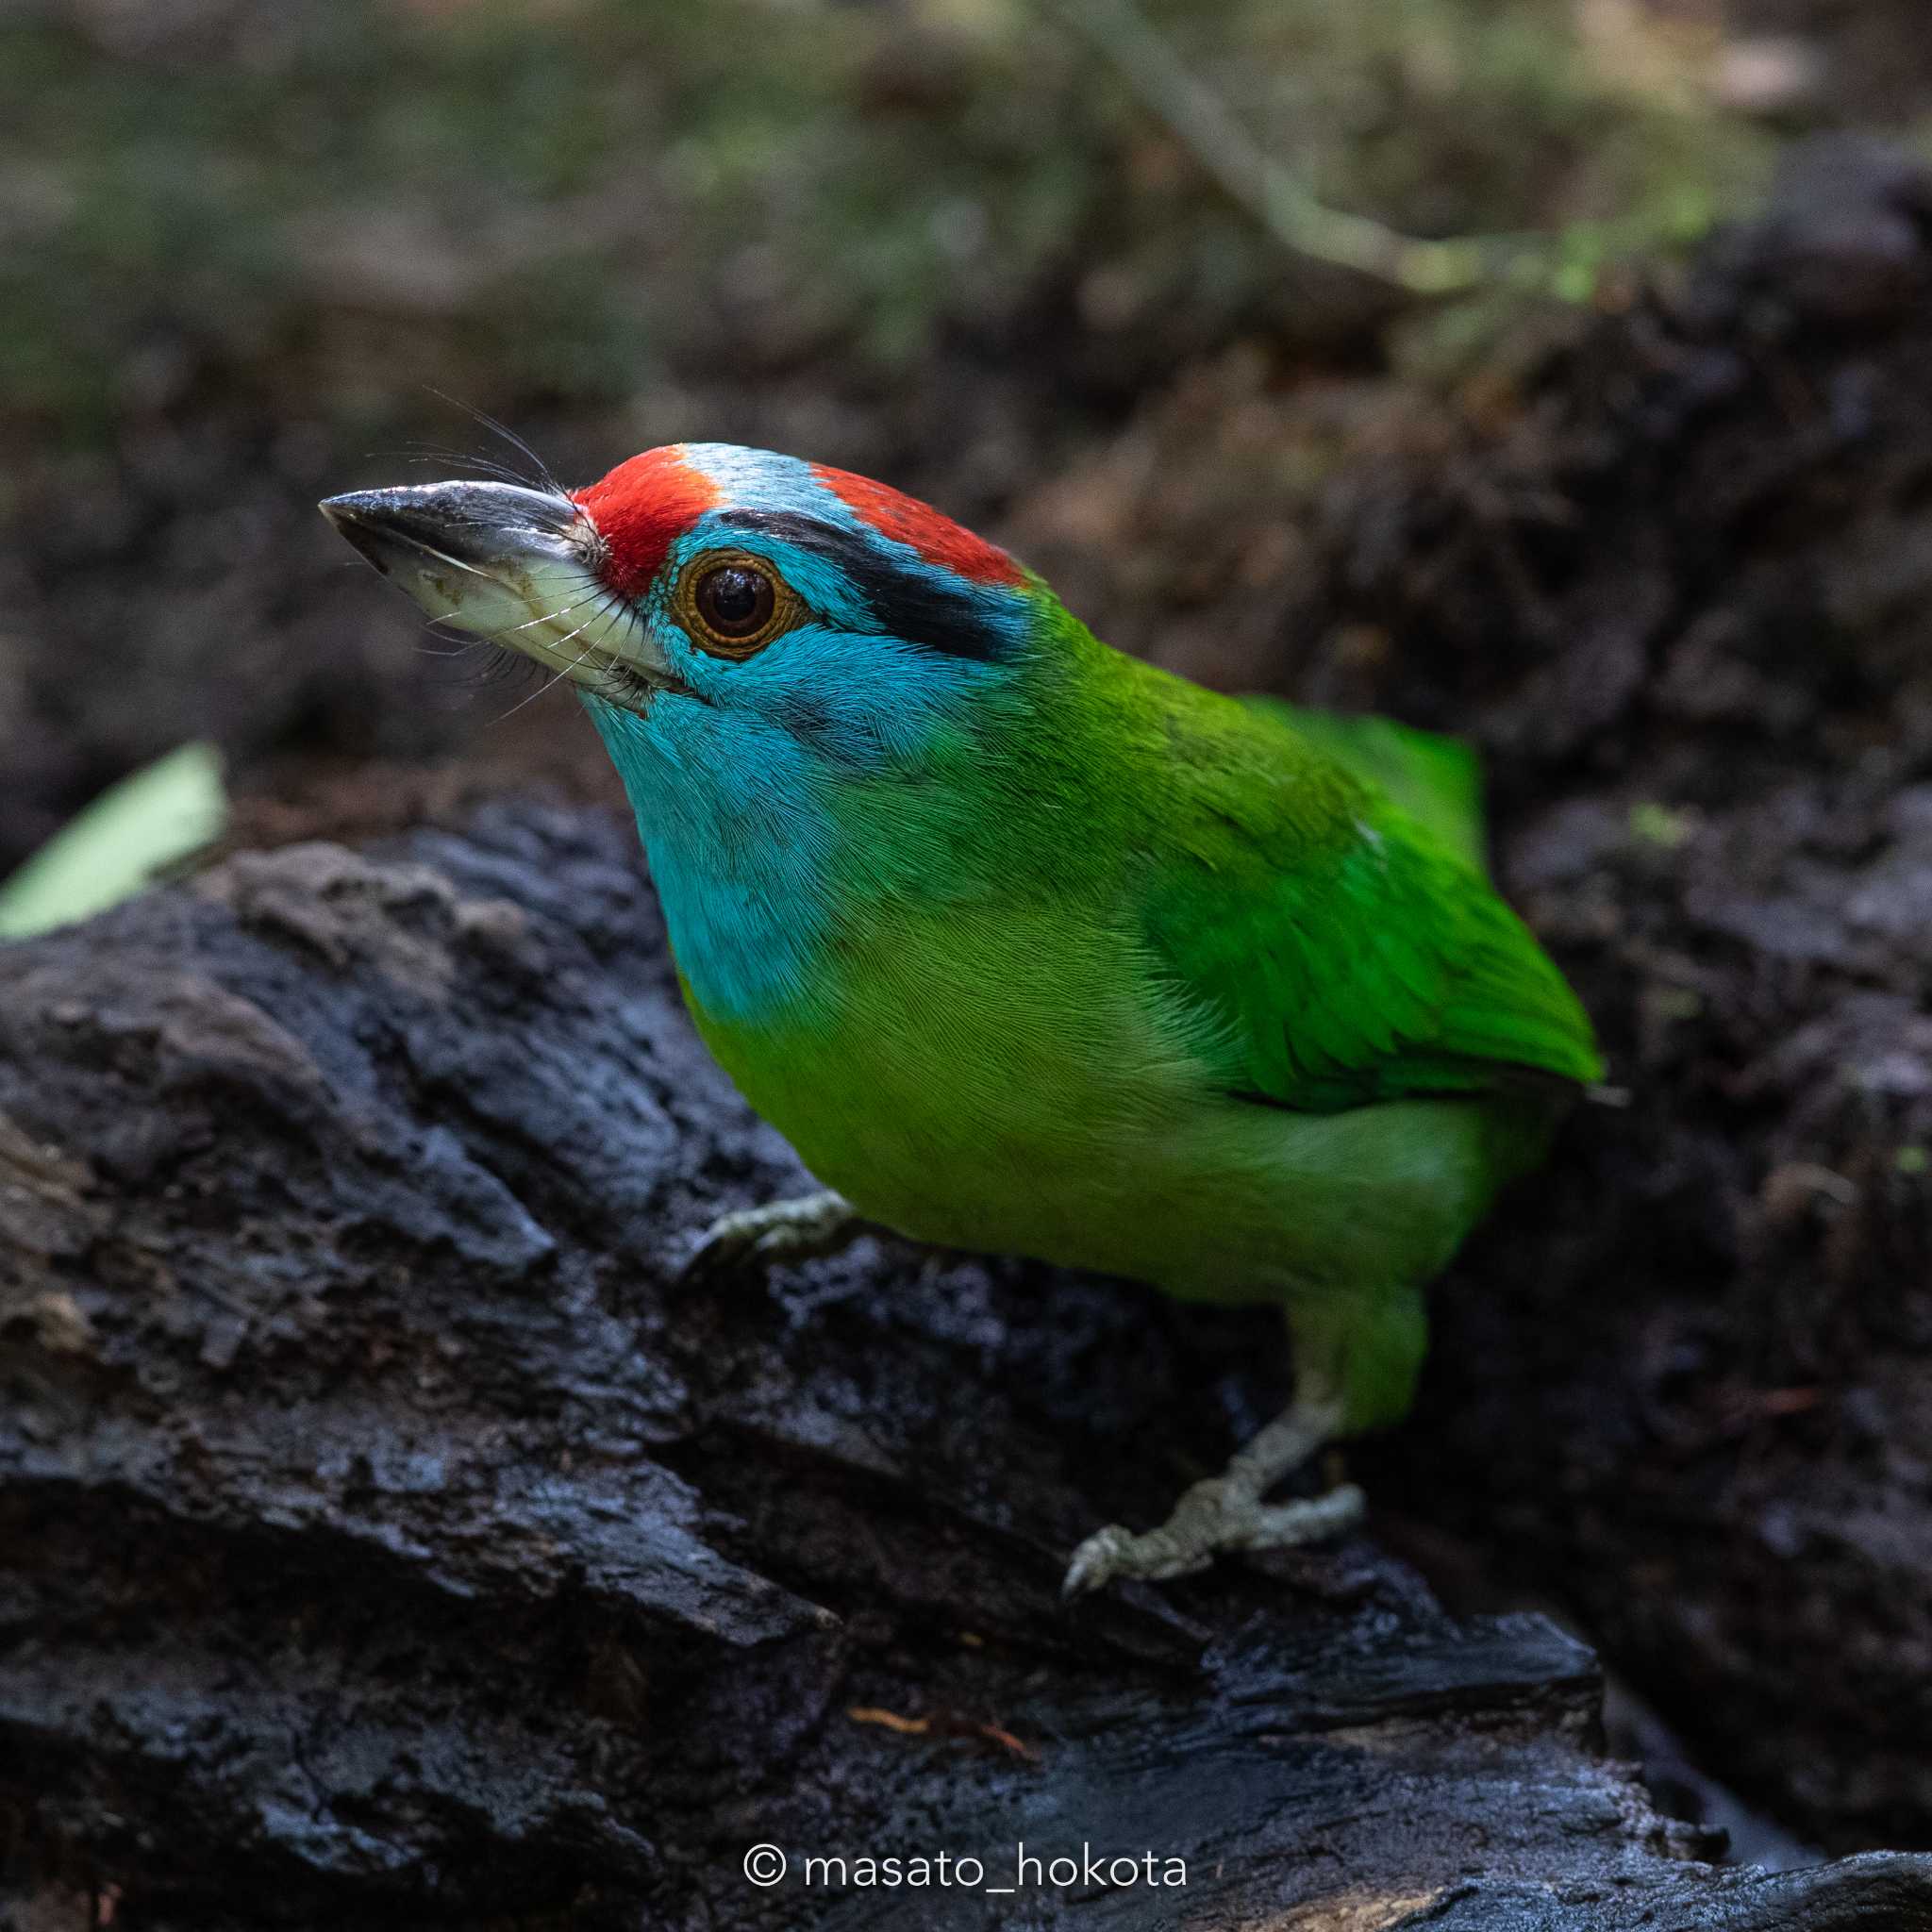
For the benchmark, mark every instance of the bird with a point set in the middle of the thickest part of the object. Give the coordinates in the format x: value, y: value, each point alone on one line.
x: 1027, y: 945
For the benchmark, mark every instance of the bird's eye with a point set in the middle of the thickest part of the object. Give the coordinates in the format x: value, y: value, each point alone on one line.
x: 732, y: 602
x: 735, y: 603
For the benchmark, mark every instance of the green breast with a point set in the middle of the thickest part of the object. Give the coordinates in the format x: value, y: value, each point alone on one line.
x: 972, y: 1080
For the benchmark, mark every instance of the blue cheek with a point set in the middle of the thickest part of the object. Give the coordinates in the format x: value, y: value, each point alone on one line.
x: 736, y: 789
x: 743, y: 848
x: 858, y: 704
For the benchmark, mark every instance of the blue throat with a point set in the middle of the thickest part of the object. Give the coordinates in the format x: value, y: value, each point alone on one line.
x: 742, y: 845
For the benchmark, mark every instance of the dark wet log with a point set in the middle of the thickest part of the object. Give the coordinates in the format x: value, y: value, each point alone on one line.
x: 384, y: 1534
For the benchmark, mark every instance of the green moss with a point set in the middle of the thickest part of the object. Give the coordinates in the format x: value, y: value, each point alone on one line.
x: 1661, y: 825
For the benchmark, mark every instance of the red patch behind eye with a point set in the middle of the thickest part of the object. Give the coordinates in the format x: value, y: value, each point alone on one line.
x: 937, y: 538
x: 641, y: 509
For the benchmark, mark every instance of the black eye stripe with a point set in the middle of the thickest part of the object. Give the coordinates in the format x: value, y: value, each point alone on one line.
x: 906, y: 603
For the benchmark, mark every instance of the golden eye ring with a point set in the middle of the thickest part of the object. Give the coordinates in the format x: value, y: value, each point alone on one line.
x: 732, y: 604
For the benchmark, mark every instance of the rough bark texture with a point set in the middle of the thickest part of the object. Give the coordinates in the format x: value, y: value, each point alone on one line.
x: 385, y: 1535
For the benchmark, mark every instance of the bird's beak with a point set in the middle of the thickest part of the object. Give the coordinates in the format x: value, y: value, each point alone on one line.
x: 517, y: 566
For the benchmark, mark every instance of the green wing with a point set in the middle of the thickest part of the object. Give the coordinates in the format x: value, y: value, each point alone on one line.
x: 1347, y: 949
x: 1437, y: 780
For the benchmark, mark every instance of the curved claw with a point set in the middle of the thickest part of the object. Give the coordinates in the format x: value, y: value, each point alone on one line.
x: 1113, y: 1553
x: 1212, y: 1517
x: 753, y: 1238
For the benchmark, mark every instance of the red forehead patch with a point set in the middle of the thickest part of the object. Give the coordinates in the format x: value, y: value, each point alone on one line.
x: 937, y: 538
x: 641, y: 509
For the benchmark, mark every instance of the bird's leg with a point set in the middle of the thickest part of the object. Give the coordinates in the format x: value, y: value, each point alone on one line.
x: 755, y: 1238
x: 1227, y: 1512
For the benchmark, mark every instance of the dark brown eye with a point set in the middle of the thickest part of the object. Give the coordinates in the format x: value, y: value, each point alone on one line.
x: 732, y: 602
x: 735, y: 602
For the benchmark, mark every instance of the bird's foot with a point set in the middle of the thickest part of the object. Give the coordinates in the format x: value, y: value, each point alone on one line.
x: 754, y: 1239
x: 1218, y: 1515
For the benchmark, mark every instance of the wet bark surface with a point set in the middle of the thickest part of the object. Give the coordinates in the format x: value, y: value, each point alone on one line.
x: 386, y: 1536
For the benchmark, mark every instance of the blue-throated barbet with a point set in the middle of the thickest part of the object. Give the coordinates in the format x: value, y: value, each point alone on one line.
x: 1027, y: 945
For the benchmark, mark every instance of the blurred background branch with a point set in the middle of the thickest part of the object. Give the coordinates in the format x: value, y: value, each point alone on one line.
x: 1285, y: 206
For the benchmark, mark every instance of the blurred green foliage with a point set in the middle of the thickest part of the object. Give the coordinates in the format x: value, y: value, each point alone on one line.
x: 570, y: 198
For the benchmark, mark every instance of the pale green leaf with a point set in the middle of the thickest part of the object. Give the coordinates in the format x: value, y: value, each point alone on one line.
x: 160, y: 814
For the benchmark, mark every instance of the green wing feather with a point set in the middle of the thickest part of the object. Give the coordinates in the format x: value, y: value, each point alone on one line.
x: 1435, y: 779
x: 1348, y: 946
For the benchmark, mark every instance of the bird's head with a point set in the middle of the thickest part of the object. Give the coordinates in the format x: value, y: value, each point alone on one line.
x: 766, y: 590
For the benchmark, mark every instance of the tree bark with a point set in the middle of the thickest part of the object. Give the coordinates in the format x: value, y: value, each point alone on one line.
x: 386, y: 1536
